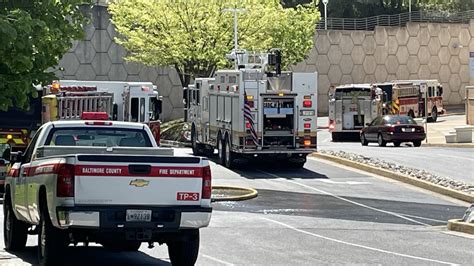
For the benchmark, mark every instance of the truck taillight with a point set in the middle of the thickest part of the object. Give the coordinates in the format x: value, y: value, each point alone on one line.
x: 307, y: 103
x: 307, y: 125
x: 14, y: 172
x: 307, y: 142
x: 247, y: 125
x: 206, y: 183
x: 331, y: 124
x: 65, y: 180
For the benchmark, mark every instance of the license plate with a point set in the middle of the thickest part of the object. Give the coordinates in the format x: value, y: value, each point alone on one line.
x: 307, y: 112
x: 408, y: 130
x: 138, y: 216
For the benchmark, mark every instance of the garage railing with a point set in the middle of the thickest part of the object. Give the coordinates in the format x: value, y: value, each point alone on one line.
x: 398, y: 20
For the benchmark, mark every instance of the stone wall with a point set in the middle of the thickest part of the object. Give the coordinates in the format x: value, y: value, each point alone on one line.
x: 98, y: 57
x: 417, y: 51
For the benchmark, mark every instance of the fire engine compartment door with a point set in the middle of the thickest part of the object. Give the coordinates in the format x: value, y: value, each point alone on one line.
x: 354, y: 112
x: 279, y: 120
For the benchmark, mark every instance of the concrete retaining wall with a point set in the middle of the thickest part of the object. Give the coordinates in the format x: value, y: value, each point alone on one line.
x: 418, y: 51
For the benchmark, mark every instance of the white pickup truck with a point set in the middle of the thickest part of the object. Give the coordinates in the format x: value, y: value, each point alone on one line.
x: 105, y: 182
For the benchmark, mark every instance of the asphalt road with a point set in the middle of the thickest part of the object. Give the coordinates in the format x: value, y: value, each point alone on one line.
x: 456, y: 163
x: 322, y: 214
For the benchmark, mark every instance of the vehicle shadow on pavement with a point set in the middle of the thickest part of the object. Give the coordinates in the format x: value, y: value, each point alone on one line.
x: 28, y: 255
x: 260, y: 169
x: 328, y: 207
x: 269, y: 171
x: 95, y: 255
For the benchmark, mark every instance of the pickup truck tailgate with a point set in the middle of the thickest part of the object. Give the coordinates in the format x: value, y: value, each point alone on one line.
x: 138, y: 180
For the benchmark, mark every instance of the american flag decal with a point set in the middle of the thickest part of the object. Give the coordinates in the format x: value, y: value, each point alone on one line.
x: 249, y: 117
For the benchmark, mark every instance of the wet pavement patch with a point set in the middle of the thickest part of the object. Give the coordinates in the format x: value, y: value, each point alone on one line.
x: 324, y: 206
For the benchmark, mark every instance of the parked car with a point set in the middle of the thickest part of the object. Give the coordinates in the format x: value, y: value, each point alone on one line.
x: 392, y: 128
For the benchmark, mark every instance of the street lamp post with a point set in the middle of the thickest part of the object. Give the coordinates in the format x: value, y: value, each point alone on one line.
x: 325, y: 2
x: 235, y: 11
x: 409, y: 8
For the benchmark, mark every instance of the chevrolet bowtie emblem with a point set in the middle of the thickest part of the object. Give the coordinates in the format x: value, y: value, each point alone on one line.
x: 139, y: 183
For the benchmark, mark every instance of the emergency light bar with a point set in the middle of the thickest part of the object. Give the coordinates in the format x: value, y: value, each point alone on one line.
x: 94, y: 116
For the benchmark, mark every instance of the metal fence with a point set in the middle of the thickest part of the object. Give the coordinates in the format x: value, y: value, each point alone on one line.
x: 398, y: 20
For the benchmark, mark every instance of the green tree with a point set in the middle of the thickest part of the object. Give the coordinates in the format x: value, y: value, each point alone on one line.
x: 194, y: 36
x: 35, y: 34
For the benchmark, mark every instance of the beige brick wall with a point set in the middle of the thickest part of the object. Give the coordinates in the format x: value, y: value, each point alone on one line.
x: 417, y: 51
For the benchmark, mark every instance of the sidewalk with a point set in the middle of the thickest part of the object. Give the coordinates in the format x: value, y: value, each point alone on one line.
x: 454, y: 117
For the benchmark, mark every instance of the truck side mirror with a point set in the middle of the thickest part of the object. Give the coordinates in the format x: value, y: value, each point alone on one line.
x: 159, y: 105
x: 16, y: 157
x: 115, y: 112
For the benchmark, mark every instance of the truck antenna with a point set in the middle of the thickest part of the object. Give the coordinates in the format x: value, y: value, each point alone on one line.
x: 236, y: 46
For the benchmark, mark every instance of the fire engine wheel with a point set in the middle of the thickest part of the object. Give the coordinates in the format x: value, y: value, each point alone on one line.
x: 297, y: 165
x: 220, y: 151
x: 363, y: 140
x: 434, y: 114
x: 184, y: 252
x: 15, y: 232
x: 229, y: 155
x: 52, y: 241
x: 381, y: 141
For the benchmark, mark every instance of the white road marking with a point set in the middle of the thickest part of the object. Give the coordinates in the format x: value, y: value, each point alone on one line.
x: 358, y: 245
x: 216, y: 260
x: 342, y: 182
x: 458, y: 157
x: 347, y: 200
x: 422, y: 218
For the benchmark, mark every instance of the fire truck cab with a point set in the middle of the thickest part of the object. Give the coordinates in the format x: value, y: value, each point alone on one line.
x: 254, y: 112
x: 431, y: 90
x: 400, y: 97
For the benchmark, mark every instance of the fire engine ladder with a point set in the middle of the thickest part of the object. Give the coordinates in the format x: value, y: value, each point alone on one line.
x: 72, y: 105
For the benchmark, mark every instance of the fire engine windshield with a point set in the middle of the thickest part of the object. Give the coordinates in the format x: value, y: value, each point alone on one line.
x: 98, y: 137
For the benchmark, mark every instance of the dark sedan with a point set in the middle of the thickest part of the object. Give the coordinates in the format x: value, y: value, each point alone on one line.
x: 392, y: 128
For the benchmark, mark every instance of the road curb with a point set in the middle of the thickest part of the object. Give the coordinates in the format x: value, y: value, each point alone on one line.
x: 460, y: 226
x: 250, y: 193
x: 449, y: 145
x: 400, y: 177
x: 454, y: 113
